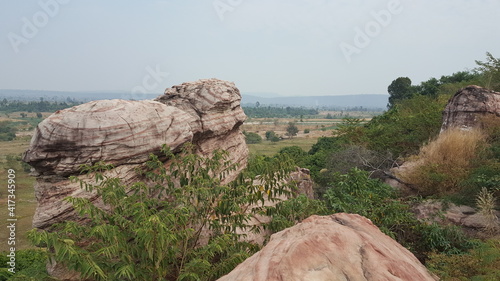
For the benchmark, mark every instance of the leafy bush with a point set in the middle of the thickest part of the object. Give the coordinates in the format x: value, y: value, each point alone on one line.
x: 445, y: 162
x: 480, y: 263
x: 355, y: 192
x: 7, y: 131
x: 270, y: 135
x: 297, y: 154
x: 30, y: 265
x: 155, y: 232
x: 252, y: 138
x: 406, y: 126
x: 290, y: 212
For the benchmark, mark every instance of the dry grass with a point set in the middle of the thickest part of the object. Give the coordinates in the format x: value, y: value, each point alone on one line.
x: 443, y: 163
x: 485, y: 201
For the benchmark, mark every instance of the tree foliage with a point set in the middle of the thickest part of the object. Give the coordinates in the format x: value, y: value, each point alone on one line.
x: 291, y: 130
x: 180, y: 226
x: 7, y: 130
x: 278, y: 112
x: 34, y: 106
x: 398, y: 90
x: 252, y: 138
x: 490, y: 69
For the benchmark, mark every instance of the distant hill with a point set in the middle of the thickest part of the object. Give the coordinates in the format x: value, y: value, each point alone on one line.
x: 341, y: 101
x: 248, y: 99
x: 60, y: 96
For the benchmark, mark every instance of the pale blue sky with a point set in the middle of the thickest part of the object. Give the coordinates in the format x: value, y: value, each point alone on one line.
x: 290, y: 47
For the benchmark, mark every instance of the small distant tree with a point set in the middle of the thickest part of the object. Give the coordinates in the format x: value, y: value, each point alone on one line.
x: 307, y: 131
x: 329, y: 116
x: 252, y: 138
x: 291, y: 130
x: 23, y: 115
x: 270, y: 135
x: 39, y: 115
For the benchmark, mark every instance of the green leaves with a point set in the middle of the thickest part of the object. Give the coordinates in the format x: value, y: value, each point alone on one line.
x: 179, y: 224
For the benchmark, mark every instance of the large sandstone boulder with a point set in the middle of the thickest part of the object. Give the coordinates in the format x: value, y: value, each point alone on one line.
x: 124, y: 133
x: 337, y: 247
x: 468, y: 106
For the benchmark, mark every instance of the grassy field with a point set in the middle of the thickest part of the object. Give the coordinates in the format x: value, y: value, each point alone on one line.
x: 25, y: 202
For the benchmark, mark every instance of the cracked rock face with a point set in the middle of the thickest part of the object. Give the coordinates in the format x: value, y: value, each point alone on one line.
x: 468, y: 105
x: 205, y: 112
x: 337, y: 247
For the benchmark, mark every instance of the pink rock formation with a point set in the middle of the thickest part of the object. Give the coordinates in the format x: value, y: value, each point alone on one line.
x: 205, y: 112
x: 337, y: 247
x: 468, y: 105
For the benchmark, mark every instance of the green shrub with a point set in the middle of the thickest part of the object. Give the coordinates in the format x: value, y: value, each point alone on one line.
x: 155, y: 231
x: 252, y: 138
x: 480, y: 263
x: 290, y: 212
x: 355, y: 192
x: 406, y: 126
x: 30, y: 265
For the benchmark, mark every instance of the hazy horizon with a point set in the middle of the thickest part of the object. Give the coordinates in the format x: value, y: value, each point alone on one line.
x: 287, y: 48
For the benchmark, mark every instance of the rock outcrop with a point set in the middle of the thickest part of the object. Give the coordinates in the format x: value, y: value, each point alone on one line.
x: 466, y: 217
x: 468, y: 105
x: 337, y: 247
x: 205, y: 112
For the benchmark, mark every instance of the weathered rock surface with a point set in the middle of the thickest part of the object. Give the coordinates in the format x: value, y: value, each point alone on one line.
x: 337, y: 247
x: 468, y: 105
x: 205, y: 112
x: 463, y: 216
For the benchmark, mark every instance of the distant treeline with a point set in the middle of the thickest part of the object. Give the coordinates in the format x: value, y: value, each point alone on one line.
x: 279, y: 112
x: 34, y: 106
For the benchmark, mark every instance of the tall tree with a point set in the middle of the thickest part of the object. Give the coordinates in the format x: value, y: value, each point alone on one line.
x: 491, y: 71
x: 399, y: 89
x: 291, y: 130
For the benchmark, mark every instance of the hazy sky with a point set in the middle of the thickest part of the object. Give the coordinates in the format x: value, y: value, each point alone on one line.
x: 289, y: 47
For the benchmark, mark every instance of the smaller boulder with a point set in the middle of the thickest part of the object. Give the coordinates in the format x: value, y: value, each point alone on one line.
x: 337, y: 247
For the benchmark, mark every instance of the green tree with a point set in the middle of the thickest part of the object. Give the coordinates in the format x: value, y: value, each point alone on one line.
x: 399, y: 89
x: 155, y: 231
x: 351, y: 129
x: 490, y: 69
x: 252, y: 138
x: 270, y: 135
x: 291, y: 129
